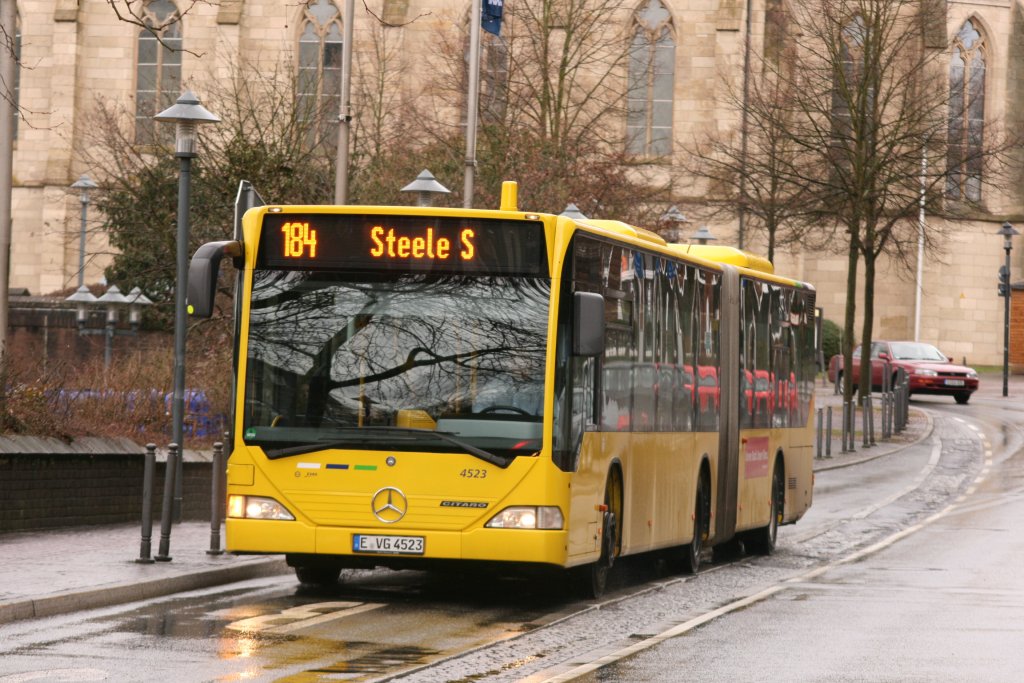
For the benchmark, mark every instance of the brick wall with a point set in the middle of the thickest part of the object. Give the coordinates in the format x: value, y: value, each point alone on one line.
x: 49, y: 491
x: 1017, y: 327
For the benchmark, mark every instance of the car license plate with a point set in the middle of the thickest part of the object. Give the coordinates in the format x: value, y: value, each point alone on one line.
x: 392, y: 545
x: 954, y: 382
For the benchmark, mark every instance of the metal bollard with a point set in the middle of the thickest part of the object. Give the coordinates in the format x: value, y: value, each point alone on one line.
x: 215, y: 506
x: 817, y: 452
x: 864, y: 424
x: 889, y: 415
x: 886, y: 389
x: 849, y: 426
x: 891, y: 402
x: 828, y: 431
x: 901, y: 407
x: 145, y: 547
x: 167, y: 518
x: 871, y: 417
x: 853, y: 426
x: 843, y: 422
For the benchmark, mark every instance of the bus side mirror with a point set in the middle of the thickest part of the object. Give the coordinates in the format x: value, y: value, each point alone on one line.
x: 203, y: 272
x: 588, y: 324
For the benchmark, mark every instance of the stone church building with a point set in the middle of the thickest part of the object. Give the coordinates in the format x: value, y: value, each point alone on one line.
x: 72, y: 51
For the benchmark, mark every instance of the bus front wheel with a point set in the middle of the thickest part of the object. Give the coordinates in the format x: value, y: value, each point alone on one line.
x: 318, y: 575
x: 590, y: 580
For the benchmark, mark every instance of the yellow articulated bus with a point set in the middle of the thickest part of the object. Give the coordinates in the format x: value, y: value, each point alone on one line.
x: 421, y: 387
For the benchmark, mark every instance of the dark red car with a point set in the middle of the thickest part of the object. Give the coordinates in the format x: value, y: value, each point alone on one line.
x: 930, y: 371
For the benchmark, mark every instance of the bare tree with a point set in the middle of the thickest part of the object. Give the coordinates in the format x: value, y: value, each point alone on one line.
x: 866, y: 100
x: 756, y: 171
x: 553, y: 110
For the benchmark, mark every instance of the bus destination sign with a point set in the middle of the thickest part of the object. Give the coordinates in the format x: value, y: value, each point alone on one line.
x: 335, y: 241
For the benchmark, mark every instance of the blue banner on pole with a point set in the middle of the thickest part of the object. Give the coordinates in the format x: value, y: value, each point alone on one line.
x: 490, y: 15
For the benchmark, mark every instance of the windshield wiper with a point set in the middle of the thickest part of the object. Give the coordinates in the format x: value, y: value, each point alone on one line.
x: 325, y: 444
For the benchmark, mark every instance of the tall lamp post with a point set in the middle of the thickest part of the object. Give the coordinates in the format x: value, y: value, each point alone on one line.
x: 1007, y: 231
x: 84, y: 184
x: 186, y: 114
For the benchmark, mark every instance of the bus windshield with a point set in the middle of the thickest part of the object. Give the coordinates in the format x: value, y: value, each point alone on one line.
x: 395, y: 361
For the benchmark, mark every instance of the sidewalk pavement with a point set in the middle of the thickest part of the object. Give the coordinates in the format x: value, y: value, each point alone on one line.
x: 46, y: 573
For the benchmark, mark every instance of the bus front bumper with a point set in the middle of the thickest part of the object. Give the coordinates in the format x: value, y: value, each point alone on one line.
x: 482, y: 544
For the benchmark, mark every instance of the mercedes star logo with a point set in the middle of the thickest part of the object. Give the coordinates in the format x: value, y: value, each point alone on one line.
x: 389, y: 505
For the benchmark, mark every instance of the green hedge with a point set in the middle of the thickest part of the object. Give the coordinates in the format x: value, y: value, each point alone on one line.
x: 831, y: 338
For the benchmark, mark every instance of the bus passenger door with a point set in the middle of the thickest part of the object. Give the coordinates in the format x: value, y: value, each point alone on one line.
x: 727, y: 497
x: 588, y: 345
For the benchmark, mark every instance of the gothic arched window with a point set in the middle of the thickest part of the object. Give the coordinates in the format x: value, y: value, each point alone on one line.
x: 318, y: 89
x: 966, y: 114
x: 157, y: 68
x: 848, y: 79
x: 652, y: 59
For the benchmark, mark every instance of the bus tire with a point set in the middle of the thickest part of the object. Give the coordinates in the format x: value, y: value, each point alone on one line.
x: 318, y: 575
x: 686, y: 558
x: 762, y: 541
x: 590, y: 580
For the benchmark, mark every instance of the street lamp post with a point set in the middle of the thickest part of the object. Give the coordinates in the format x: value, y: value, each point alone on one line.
x: 1008, y: 232
x: 112, y: 299
x: 84, y: 183
x: 186, y: 114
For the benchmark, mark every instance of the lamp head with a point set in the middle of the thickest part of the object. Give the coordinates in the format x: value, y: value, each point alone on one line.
x: 426, y: 186
x: 82, y: 298
x: 573, y: 211
x: 186, y: 113
x: 703, y: 235
x: 1008, y: 232
x: 84, y: 183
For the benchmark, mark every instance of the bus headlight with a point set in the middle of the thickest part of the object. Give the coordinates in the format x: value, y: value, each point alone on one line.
x: 257, y: 507
x: 527, y: 517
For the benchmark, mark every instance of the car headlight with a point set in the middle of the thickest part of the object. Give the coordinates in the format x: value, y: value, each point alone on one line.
x: 972, y: 374
x: 257, y: 507
x: 925, y: 373
x: 527, y: 517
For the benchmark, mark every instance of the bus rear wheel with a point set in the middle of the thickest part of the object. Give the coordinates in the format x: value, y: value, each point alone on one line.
x: 687, y: 558
x: 762, y: 541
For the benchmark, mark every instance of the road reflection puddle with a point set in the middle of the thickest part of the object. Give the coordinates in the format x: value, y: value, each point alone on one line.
x: 365, y: 666
x: 304, y: 616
